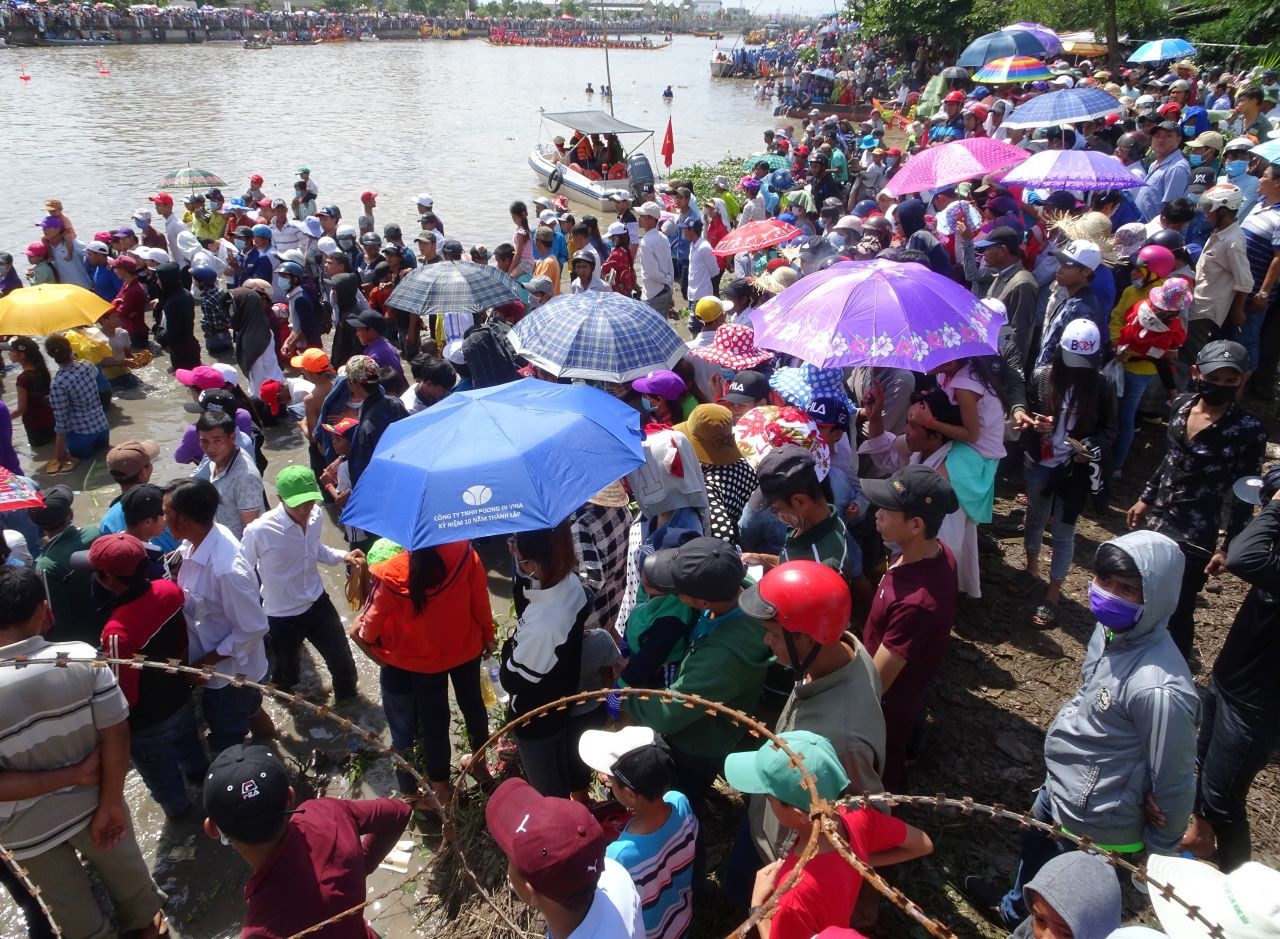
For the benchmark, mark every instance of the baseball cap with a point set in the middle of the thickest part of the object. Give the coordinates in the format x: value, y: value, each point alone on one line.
x: 367, y: 319
x: 123, y: 261
x: 56, y: 509
x: 117, y: 553
x: 343, y: 427
x: 661, y: 383
x: 130, y: 458
x: 1001, y: 235
x: 539, y: 284
x: 142, y: 502
x: 649, y: 209
x: 361, y: 369
x: 1210, y: 138
x: 710, y: 431
x: 769, y: 770
x: 312, y: 360
x: 620, y: 195
x: 620, y: 228
x: 1080, y: 343
x: 367, y: 195
x: 424, y: 198
x: 296, y: 485
x: 1222, y: 353
x: 747, y: 387
x: 160, y: 198
x: 783, y: 471
x: 246, y: 793
x: 1243, y: 903
x: 49, y: 222
x: 831, y: 412
x: 709, y: 309
x: 279, y: 204
x: 1171, y: 126
x: 37, y: 249
x: 917, y: 491
x: 1084, y: 253
x: 204, y: 377
x: 556, y: 844
x: 97, y: 247
x: 705, y: 568
x: 635, y: 756
x: 303, y: 169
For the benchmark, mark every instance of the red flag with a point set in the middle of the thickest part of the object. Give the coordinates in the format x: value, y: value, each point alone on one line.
x: 668, y: 145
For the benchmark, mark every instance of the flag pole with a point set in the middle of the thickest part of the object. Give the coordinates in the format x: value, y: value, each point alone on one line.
x: 608, y: 75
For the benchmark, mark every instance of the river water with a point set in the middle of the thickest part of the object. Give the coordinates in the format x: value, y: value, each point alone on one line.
x: 453, y: 118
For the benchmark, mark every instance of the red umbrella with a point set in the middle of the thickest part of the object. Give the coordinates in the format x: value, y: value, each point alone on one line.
x: 17, y: 493
x: 755, y: 236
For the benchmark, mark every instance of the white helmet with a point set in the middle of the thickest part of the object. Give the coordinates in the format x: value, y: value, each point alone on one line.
x: 1223, y: 195
x: 1145, y: 102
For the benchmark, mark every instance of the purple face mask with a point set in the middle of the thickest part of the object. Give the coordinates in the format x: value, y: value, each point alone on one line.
x: 1115, y: 613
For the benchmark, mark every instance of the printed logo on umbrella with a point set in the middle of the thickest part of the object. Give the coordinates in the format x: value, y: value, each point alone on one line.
x: 477, y: 495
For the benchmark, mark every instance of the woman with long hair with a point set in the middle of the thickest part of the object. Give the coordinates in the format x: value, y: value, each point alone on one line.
x: 33, y: 390
x: 617, y: 270
x: 522, y: 240
x: 593, y: 236
x: 1071, y: 420
x: 428, y: 623
x: 542, y: 660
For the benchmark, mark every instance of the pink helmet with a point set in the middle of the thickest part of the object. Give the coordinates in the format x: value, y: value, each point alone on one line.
x: 1159, y: 261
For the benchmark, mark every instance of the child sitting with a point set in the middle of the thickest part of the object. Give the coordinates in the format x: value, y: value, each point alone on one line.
x: 828, y: 887
x: 657, y: 846
x: 1076, y: 895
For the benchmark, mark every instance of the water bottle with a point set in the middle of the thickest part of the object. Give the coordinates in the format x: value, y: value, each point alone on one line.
x: 494, y: 674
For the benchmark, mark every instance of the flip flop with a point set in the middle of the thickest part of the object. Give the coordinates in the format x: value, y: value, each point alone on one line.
x: 1045, y: 616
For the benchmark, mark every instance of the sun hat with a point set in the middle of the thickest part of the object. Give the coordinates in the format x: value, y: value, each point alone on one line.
x: 612, y: 496
x: 710, y: 430
x: 777, y: 280
x: 1091, y: 226
x: 204, y: 377
x: 1245, y: 902
x: 1175, y: 295
x: 733, y: 346
x: 768, y: 427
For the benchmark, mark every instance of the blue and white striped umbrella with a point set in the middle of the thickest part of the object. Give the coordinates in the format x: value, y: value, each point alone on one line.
x: 1160, y: 50
x: 597, y: 335
x: 1069, y: 106
x: 453, y: 287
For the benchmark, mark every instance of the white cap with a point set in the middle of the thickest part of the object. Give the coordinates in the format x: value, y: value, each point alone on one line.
x: 601, y: 749
x: 228, y: 372
x: 620, y: 195
x: 651, y: 209
x: 1080, y: 340
x: 543, y: 202
x: 144, y: 215
x: 424, y: 198
x: 616, y: 228
x: 1144, y: 102
x: 293, y: 254
x: 97, y: 247
x: 326, y: 245
x: 1239, y: 143
x: 1084, y: 253
x: 453, y: 352
x: 998, y: 307
x: 1066, y: 81
x: 547, y: 215
x: 153, y: 255
x: 1245, y: 903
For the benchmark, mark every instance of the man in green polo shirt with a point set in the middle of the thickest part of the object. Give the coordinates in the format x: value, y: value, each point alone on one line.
x: 78, y: 614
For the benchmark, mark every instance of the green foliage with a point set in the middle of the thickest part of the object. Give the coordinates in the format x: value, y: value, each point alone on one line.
x: 1249, y: 22
x: 898, y: 20
x: 570, y: 8
x: 703, y: 174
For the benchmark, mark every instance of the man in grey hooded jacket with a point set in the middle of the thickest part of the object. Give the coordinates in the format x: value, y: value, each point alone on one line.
x: 1120, y: 755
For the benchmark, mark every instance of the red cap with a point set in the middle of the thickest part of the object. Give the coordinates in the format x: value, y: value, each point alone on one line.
x: 126, y: 261
x: 256, y: 179
x: 37, y: 249
x: 1110, y: 120
x: 367, y: 195
x: 119, y: 554
x: 556, y: 844
x: 1170, y: 109
x: 161, y: 198
x: 263, y: 203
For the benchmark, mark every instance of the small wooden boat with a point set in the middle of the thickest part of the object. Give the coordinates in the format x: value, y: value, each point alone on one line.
x: 368, y: 37
x: 49, y: 41
x: 702, y: 34
x: 257, y: 42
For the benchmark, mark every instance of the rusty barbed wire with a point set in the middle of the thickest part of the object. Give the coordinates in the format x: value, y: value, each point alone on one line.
x: 21, y: 873
x: 822, y: 811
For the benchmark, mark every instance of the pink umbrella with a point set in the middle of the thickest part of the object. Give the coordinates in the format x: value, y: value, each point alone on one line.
x: 755, y: 236
x: 953, y: 163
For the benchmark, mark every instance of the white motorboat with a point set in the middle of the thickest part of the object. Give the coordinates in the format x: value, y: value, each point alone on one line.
x: 560, y: 174
x: 721, y: 64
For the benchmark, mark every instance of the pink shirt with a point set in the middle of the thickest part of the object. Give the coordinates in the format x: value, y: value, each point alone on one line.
x: 990, y: 442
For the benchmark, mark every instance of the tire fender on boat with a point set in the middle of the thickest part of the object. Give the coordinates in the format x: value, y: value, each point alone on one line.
x: 555, y: 180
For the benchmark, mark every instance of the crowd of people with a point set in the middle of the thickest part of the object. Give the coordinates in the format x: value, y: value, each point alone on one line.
x: 796, y: 544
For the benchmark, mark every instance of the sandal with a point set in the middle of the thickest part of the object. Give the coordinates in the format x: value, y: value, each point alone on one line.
x: 1021, y: 583
x: 1045, y: 616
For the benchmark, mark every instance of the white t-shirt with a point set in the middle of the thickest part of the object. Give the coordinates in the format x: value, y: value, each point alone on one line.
x: 615, y: 912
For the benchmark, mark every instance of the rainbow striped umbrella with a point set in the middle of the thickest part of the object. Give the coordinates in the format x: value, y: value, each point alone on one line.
x: 1013, y: 70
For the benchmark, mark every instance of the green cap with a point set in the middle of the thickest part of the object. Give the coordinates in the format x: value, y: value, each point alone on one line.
x: 382, y: 550
x: 303, y: 169
x: 768, y: 771
x: 296, y: 485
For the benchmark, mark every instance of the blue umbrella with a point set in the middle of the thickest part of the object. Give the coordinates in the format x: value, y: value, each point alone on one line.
x: 598, y: 336
x: 513, y: 457
x: 1160, y: 50
x: 1269, y: 150
x: 1069, y: 106
x: 998, y: 45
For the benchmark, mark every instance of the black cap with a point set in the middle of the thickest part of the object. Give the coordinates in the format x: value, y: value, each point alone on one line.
x: 246, y: 793
x: 1171, y: 126
x: 829, y: 411
x: 452, y: 248
x: 747, y: 387
x: 704, y: 568
x: 646, y: 769
x: 369, y: 319
x: 215, y: 399
x: 783, y: 472
x: 918, y: 491
x: 1222, y: 353
x: 56, y: 509
x: 1002, y: 235
x: 739, y: 287
x: 141, y: 503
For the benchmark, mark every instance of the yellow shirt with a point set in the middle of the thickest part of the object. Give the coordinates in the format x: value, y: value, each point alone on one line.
x: 549, y: 267
x: 1119, y: 317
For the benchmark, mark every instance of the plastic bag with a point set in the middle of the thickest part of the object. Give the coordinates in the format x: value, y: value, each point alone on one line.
x: 1115, y: 371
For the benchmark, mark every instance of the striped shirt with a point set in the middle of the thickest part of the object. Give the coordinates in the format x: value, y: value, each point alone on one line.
x: 661, y: 866
x: 1261, y: 229
x: 50, y: 718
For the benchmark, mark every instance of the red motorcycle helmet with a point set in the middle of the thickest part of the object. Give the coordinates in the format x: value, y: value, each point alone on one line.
x: 802, y: 597
x: 954, y: 97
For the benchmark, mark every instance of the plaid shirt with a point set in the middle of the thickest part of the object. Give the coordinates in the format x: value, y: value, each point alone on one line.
x: 77, y: 409
x: 215, y: 310
x: 600, y: 540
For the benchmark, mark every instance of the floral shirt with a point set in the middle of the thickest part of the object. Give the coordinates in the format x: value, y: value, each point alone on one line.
x: 1187, y: 489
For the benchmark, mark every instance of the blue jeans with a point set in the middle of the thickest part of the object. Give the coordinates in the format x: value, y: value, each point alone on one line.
x: 1135, y: 387
x: 1038, y: 849
x: 167, y: 755
x: 417, y: 709
x: 227, y: 711
x: 1042, y: 509
x: 760, y: 532
x: 86, y: 445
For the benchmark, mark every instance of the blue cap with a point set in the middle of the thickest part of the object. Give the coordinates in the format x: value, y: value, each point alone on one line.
x: 261, y: 231
x: 980, y: 92
x: 781, y: 181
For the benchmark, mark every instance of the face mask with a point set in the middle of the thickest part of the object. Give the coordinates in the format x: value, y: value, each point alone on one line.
x: 283, y: 283
x: 1115, y: 613
x: 890, y: 161
x: 1215, y: 395
x: 837, y: 241
x: 139, y: 225
x: 1188, y: 132
x: 1195, y: 159
x: 241, y: 243
x: 1237, y: 167
x: 647, y: 405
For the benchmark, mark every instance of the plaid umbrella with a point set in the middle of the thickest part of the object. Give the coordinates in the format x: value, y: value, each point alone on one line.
x: 775, y: 162
x: 1069, y: 106
x: 596, y: 335
x: 1013, y: 69
x: 189, y: 178
x: 1158, y: 50
x: 755, y: 236
x: 1085, y: 170
x: 453, y: 287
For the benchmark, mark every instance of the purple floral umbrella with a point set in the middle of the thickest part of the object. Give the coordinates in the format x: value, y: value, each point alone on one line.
x: 1085, y: 170
x: 877, y: 313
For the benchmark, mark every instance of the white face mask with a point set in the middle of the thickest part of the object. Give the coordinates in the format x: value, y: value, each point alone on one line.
x: 1149, y: 320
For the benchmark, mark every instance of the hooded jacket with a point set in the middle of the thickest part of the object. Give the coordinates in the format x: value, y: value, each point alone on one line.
x: 1130, y: 729
x: 346, y: 303
x: 911, y: 215
x: 177, y: 311
x: 453, y: 625
x: 250, y: 326
x: 1083, y: 889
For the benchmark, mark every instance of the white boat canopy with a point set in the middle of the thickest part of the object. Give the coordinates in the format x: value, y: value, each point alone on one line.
x: 593, y: 122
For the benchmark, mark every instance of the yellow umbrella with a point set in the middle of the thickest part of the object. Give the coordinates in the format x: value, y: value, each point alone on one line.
x: 47, y: 308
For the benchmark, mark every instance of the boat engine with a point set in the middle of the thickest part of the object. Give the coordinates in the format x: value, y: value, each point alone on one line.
x: 641, y: 173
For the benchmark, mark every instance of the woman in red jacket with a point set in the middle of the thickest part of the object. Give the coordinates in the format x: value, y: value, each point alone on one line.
x: 427, y: 623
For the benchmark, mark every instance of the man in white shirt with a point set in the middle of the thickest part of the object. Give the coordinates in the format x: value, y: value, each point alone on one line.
x: 1223, y: 278
x: 703, y: 266
x: 284, y: 546
x: 657, y: 273
x: 226, y: 625
x: 230, y: 469
x: 172, y: 223
x: 433, y: 380
x: 284, y: 233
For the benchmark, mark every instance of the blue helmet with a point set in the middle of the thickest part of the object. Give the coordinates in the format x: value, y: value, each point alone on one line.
x: 203, y: 273
x: 864, y: 208
x: 290, y: 269
x: 261, y: 231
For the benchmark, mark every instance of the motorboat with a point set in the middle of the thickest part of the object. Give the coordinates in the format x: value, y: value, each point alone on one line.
x: 561, y: 174
x: 368, y: 37
x: 721, y: 64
